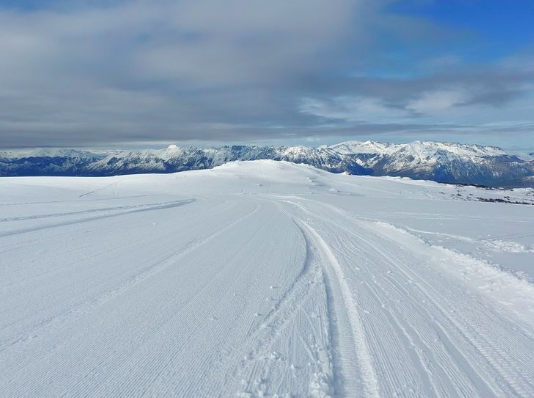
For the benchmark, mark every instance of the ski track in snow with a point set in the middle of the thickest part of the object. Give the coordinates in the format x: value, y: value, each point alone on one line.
x: 257, y: 279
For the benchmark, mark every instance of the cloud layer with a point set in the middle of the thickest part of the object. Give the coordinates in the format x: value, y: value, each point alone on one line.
x: 111, y: 73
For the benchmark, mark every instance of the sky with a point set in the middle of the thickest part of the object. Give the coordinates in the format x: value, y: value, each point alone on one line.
x: 148, y: 73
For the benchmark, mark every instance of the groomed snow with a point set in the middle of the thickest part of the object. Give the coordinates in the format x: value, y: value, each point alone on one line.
x: 264, y: 279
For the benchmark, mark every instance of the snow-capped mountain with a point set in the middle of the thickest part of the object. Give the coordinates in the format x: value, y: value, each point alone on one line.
x: 437, y: 161
x: 442, y: 162
x: 46, y: 162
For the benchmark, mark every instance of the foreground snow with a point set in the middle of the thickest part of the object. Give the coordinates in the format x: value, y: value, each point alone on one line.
x: 264, y: 279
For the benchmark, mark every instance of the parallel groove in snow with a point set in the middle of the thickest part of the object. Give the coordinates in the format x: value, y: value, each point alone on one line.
x: 356, y: 330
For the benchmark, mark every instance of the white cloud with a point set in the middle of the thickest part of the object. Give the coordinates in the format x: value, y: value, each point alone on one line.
x: 436, y: 101
x: 352, y: 109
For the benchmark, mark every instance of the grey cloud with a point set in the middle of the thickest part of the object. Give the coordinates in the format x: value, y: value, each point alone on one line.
x: 154, y: 69
x: 96, y: 73
x: 485, y: 83
x: 490, y: 91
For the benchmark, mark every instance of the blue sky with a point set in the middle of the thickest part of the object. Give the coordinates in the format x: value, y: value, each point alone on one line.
x: 498, y: 27
x: 100, y: 73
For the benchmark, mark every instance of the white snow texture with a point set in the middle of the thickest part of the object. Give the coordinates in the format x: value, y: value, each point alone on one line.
x: 264, y: 279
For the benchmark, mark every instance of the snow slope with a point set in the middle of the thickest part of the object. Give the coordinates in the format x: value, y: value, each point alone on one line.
x: 264, y: 279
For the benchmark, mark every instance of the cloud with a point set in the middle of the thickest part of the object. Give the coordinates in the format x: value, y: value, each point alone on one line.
x: 436, y: 101
x: 465, y: 96
x: 162, y: 69
x: 353, y: 109
x: 118, y: 72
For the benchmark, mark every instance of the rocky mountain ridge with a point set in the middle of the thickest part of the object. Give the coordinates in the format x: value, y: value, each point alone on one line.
x: 429, y: 160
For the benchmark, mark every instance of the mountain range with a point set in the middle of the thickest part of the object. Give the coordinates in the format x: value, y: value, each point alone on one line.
x: 428, y: 160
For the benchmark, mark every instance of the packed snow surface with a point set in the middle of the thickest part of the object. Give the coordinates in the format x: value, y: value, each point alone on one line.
x: 264, y: 279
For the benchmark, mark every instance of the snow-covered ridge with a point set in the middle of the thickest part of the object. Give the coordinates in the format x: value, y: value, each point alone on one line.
x: 437, y: 161
x: 47, y: 153
x: 420, y: 148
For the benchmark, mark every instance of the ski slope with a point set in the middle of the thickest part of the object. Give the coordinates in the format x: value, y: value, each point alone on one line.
x: 264, y: 279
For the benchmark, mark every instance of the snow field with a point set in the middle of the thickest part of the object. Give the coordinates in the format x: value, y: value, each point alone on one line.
x: 262, y: 279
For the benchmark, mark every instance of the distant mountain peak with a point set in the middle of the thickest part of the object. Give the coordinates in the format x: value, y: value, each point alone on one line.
x: 431, y: 160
